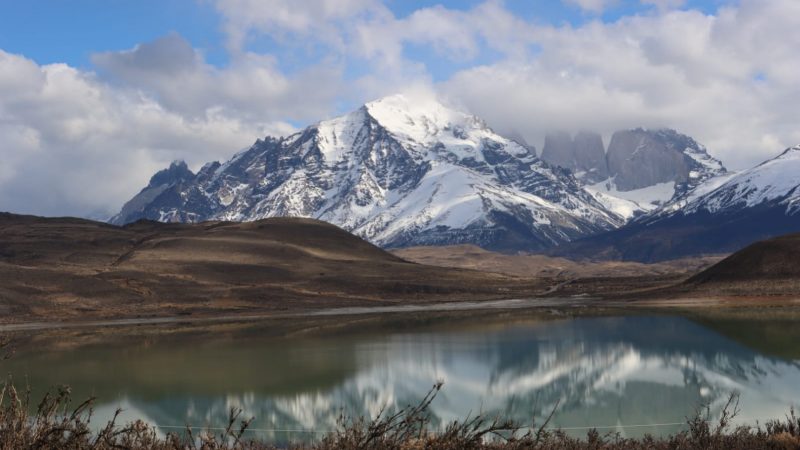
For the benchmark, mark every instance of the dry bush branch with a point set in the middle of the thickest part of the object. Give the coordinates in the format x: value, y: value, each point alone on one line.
x: 55, y: 424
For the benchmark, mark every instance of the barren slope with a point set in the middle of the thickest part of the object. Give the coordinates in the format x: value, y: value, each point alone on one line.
x: 532, y: 265
x: 79, y: 269
x: 770, y: 267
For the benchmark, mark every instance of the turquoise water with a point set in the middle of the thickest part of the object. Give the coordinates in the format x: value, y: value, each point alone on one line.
x: 630, y: 374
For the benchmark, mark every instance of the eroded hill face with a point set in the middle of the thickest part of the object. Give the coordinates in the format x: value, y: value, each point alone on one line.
x: 75, y: 269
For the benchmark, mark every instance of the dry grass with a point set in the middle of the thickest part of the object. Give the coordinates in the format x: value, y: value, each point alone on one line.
x: 57, y: 425
x: 55, y: 269
x: 543, y: 266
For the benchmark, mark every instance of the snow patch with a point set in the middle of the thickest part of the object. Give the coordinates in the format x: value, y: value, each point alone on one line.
x: 776, y: 179
x: 628, y: 204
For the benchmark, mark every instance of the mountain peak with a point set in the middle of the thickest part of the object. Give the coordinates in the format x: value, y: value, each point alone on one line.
x: 401, y: 170
x: 791, y: 152
x: 177, y: 171
x: 417, y: 104
x: 419, y: 117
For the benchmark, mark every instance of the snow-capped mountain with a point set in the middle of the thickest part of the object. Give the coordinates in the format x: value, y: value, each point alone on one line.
x: 397, y: 172
x: 774, y: 183
x: 722, y: 215
x: 641, y: 171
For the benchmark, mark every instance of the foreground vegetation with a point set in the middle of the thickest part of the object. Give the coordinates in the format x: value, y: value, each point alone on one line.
x: 57, y: 425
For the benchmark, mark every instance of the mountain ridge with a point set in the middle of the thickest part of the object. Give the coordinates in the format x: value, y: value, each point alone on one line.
x: 397, y: 172
x: 403, y: 172
x: 749, y: 206
x: 640, y: 171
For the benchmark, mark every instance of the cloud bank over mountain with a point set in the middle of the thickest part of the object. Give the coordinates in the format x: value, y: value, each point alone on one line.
x: 80, y: 139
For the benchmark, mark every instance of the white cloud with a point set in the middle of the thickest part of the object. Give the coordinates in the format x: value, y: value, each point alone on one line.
x: 365, y: 30
x: 77, y: 143
x: 73, y: 145
x: 322, y: 20
x: 593, y: 6
x: 664, y: 5
x: 732, y: 80
x: 251, y: 86
x: 452, y: 34
x: 74, y: 142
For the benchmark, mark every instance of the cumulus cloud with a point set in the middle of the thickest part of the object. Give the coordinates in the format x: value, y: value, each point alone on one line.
x: 81, y: 143
x: 600, y: 6
x: 76, y: 141
x: 73, y: 145
x: 730, y: 80
x: 323, y: 20
x: 251, y: 86
x: 452, y: 34
x: 366, y: 34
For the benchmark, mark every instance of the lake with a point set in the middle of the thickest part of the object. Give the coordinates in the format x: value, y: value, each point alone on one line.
x: 626, y: 374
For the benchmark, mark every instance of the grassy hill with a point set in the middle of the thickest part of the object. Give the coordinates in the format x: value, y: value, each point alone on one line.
x: 66, y: 268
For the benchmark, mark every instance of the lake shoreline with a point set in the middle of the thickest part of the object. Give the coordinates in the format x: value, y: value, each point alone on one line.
x: 576, y: 305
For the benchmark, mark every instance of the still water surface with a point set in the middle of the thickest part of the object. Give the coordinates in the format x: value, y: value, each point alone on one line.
x: 631, y: 374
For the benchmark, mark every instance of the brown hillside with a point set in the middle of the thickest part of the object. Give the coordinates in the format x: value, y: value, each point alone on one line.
x: 534, y: 265
x: 66, y: 268
x: 770, y: 267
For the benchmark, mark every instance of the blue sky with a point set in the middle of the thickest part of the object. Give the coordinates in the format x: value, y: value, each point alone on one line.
x: 113, y: 90
x: 53, y: 31
x: 59, y: 31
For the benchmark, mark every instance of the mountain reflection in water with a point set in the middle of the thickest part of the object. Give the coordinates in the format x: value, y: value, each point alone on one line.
x: 605, y: 372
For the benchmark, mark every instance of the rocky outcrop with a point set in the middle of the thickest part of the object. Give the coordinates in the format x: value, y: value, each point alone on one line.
x: 642, y: 171
x: 558, y: 150
x: 640, y: 158
x: 584, y: 155
x: 175, y: 176
x: 590, y: 156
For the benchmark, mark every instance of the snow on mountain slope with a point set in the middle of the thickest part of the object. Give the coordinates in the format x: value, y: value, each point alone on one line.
x: 629, y: 204
x: 722, y: 215
x: 397, y: 171
x: 702, y: 189
x: 422, y: 122
x: 774, y: 182
x: 705, y: 166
